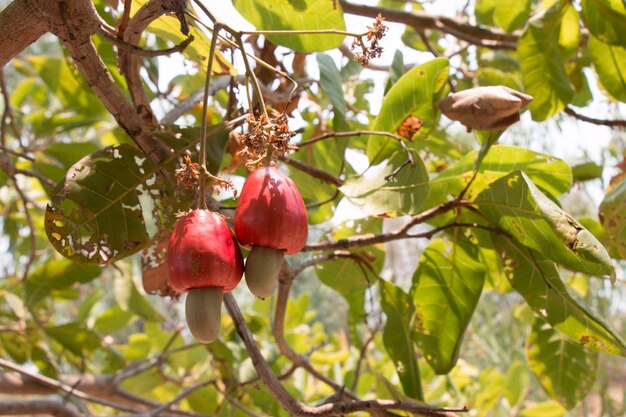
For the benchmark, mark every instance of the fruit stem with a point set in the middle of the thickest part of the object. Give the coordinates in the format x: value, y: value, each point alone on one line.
x: 205, y: 105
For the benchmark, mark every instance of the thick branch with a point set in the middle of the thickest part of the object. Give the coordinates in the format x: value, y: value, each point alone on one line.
x: 52, y: 408
x: 20, y: 26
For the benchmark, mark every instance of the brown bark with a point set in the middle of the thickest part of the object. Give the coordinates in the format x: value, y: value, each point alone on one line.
x: 19, y: 27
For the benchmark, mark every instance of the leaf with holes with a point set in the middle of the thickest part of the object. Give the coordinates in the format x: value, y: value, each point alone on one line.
x: 518, y: 207
x: 446, y: 288
x: 296, y: 15
x: 565, y: 370
x: 537, y: 279
x: 613, y: 217
x: 401, y: 187
x: 413, y: 94
x: 109, y: 205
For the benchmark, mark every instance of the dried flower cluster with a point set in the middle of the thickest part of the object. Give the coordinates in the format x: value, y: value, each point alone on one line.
x: 188, y: 175
x: 374, y: 34
x: 267, y: 139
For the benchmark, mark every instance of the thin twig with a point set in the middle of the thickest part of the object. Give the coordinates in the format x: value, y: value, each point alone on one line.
x: 137, y: 50
x: 314, y: 172
x: 600, y: 122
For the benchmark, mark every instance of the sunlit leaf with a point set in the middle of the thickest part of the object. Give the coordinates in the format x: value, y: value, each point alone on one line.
x: 446, y: 288
x: 605, y: 20
x: 543, y: 68
x: 404, y: 192
x: 511, y: 14
x: 69, y: 87
x: 610, y: 64
x: 519, y: 208
x: 565, y: 370
x: 413, y: 94
x: 549, y: 173
x: 296, y: 15
x: 544, y: 409
x: 537, y: 279
x: 587, y: 171
x: 398, y: 307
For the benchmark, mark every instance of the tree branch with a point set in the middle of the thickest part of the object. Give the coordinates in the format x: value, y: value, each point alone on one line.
x: 297, y: 409
x: 314, y: 172
x: 419, y: 20
x: 20, y: 25
x: 52, y: 408
x: 401, y: 233
x: 600, y: 122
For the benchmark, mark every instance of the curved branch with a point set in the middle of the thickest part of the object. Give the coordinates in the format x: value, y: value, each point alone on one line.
x: 20, y: 25
x: 52, y: 408
x: 419, y: 20
x: 294, y: 407
x: 314, y: 172
x: 599, y: 122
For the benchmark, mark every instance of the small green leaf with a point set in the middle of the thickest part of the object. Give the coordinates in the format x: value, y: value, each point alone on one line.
x: 330, y: 80
x: 56, y: 275
x: 404, y: 192
x: 446, y: 288
x: 296, y: 15
x: 517, y: 382
x: 610, y: 64
x: 518, y: 207
x: 398, y: 307
x: 68, y: 86
x: 413, y: 94
x: 605, y: 20
x: 537, y: 279
x: 511, y: 14
x: 396, y: 70
x: 565, y: 370
x: 75, y: 338
x: 129, y: 298
x: 587, y: 171
x: 544, y: 409
x: 543, y: 67
x: 112, y: 320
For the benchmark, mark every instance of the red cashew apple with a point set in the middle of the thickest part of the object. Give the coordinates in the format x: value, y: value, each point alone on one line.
x: 203, y: 258
x: 271, y: 218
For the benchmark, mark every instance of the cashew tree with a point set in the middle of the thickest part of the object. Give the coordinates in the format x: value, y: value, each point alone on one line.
x: 312, y: 207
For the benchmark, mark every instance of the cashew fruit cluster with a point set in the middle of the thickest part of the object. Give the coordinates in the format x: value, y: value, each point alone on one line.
x: 204, y: 257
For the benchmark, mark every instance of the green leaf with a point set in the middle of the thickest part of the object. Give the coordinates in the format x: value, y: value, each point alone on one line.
x: 99, y: 211
x: 537, y: 279
x: 610, y: 64
x: 68, y: 86
x: 569, y: 37
x: 511, y: 14
x: 54, y: 161
x: 543, y: 67
x: 517, y: 382
x: 75, y: 338
x: 129, y: 298
x: 518, y: 207
x: 549, y: 173
x: 565, y: 370
x: 446, y: 288
x: 396, y: 70
x: 112, y: 320
x: 413, y: 94
x: 296, y: 15
x: 330, y: 80
x: 398, y: 307
x: 167, y: 27
x: 613, y: 216
x: 587, y: 171
x: 403, y: 193
x: 544, y: 409
x: 605, y: 20
x: 56, y: 275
